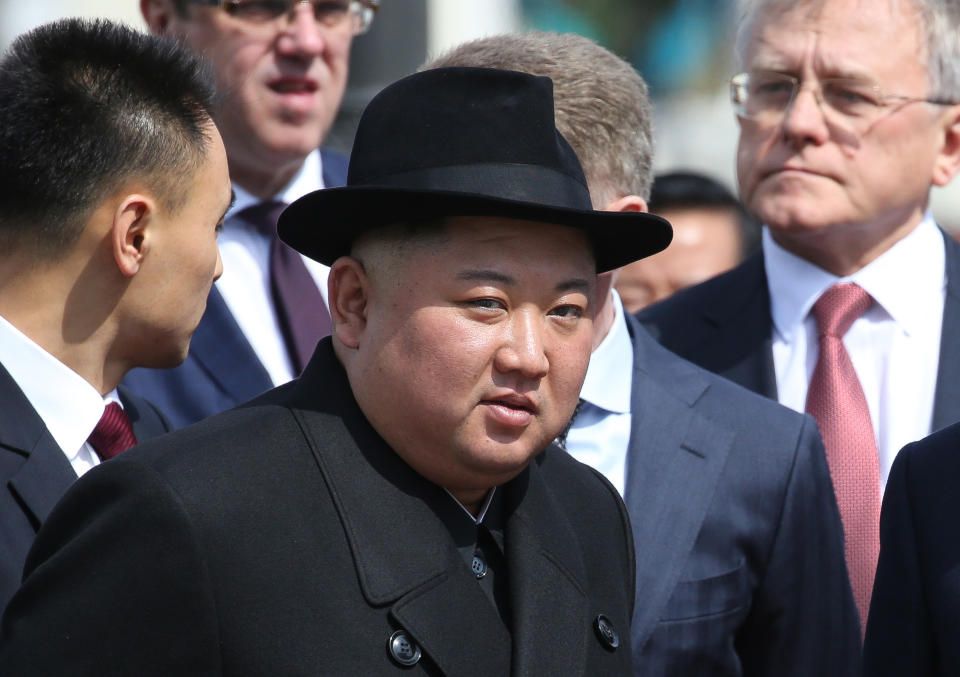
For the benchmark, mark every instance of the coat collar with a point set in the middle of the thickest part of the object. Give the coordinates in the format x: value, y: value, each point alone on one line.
x: 405, y: 557
x: 674, y: 461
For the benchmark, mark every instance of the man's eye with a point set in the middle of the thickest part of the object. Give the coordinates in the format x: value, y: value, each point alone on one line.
x: 331, y: 9
x: 486, y: 303
x: 258, y: 10
x: 849, y: 98
x: 567, y: 312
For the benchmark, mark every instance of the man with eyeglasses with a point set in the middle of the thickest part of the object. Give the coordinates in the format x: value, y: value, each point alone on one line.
x: 281, y: 70
x: 852, y: 310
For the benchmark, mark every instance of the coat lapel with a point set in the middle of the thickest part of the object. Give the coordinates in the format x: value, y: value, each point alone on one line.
x: 46, y: 473
x: 220, y: 347
x: 675, y: 458
x: 404, y: 554
x: 946, y: 404
x: 546, y: 582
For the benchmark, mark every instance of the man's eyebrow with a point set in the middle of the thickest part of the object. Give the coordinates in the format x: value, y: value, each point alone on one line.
x: 482, y: 275
x: 233, y: 199
x: 576, y: 284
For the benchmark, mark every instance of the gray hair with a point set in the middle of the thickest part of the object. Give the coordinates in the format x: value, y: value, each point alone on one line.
x: 939, y: 22
x: 601, y: 103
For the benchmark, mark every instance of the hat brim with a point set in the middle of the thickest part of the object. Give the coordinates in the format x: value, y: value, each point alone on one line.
x: 324, y: 224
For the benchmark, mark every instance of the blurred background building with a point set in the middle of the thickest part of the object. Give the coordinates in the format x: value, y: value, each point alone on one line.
x: 683, y: 48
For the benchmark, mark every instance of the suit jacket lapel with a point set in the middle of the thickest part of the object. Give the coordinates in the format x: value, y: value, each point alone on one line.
x: 675, y: 458
x: 946, y: 404
x: 742, y: 346
x: 46, y: 473
x: 546, y: 581
x: 220, y: 347
x: 146, y: 421
x: 404, y: 555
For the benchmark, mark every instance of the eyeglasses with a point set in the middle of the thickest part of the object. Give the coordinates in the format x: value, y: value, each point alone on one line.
x: 765, y: 96
x: 330, y: 13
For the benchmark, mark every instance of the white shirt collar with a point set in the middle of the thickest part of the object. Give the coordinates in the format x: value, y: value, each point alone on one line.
x: 307, y: 179
x: 478, y: 519
x: 605, y: 385
x: 68, y: 405
x: 795, y: 284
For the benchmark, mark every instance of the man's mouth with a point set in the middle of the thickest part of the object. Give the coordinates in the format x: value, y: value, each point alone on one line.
x: 294, y: 85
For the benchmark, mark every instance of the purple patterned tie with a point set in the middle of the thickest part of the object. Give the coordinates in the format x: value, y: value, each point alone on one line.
x: 113, y: 433
x: 837, y: 402
x: 301, y: 312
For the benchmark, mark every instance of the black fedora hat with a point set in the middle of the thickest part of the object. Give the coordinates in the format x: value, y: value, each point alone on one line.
x: 464, y: 142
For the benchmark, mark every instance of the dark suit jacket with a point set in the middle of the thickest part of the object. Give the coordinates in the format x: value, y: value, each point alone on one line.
x: 914, y: 626
x: 221, y: 370
x: 35, y: 472
x: 740, y: 563
x: 724, y: 325
x: 286, y: 538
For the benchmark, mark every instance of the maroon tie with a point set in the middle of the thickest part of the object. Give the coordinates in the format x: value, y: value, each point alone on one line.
x: 113, y: 433
x: 836, y: 401
x: 301, y: 312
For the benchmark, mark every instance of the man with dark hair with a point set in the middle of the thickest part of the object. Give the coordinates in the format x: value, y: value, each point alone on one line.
x: 113, y: 183
x: 396, y: 507
x: 281, y: 68
x: 712, y: 233
x: 849, y: 115
x: 740, y: 565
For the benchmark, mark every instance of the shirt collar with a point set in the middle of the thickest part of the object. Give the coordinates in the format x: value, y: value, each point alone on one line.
x: 483, y: 509
x: 67, y: 404
x: 608, y: 381
x: 307, y: 179
x: 911, y: 268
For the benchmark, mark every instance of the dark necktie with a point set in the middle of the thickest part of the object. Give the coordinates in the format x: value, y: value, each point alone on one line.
x: 301, y: 312
x: 113, y: 433
x: 836, y: 400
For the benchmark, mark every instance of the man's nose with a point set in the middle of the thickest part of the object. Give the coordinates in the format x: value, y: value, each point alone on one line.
x: 523, y: 347
x: 805, y: 119
x: 303, y: 34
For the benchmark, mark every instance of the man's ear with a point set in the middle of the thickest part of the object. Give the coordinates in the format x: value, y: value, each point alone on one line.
x: 627, y: 203
x: 947, y: 162
x: 348, y: 293
x: 131, y: 232
x: 157, y: 14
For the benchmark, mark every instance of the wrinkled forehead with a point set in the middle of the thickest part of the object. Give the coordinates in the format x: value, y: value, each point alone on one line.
x: 839, y: 16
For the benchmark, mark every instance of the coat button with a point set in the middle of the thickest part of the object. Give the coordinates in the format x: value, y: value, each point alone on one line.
x: 403, y: 650
x: 479, y: 565
x: 606, y: 632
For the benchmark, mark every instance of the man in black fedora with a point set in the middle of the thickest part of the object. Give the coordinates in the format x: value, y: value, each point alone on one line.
x: 396, y: 507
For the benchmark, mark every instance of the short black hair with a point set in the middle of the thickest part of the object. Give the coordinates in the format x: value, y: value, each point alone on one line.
x: 84, y: 106
x: 692, y: 190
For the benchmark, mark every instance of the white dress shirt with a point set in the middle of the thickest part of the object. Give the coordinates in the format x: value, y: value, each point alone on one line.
x: 245, y: 283
x: 600, y: 433
x: 894, y: 346
x: 67, y: 404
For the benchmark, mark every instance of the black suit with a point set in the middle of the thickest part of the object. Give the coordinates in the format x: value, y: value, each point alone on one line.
x: 286, y: 538
x: 740, y: 564
x: 724, y: 325
x: 36, y: 473
x: 914, y: 626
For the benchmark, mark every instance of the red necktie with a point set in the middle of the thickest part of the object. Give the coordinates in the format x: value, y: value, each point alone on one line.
x: 113, y: 433
x: 301, y: 312
x: 836, y: 401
